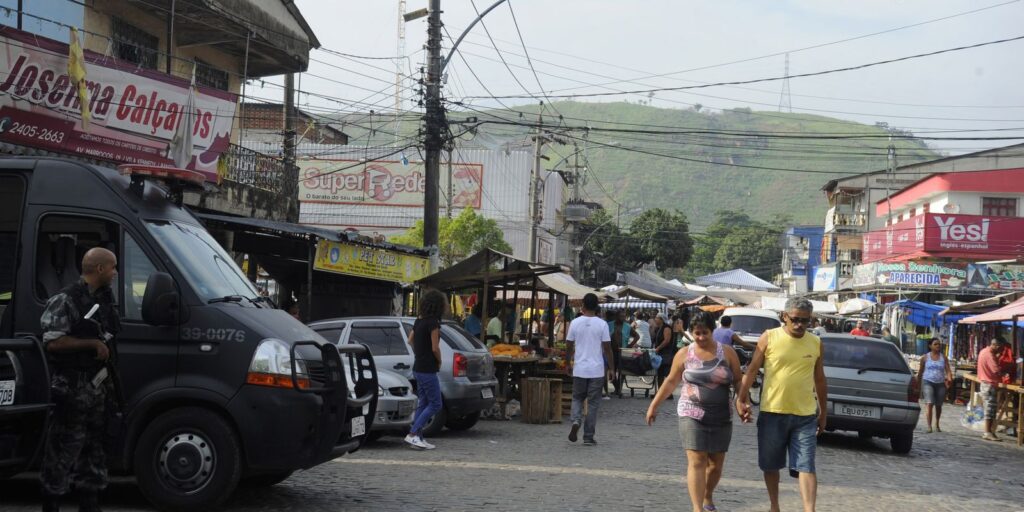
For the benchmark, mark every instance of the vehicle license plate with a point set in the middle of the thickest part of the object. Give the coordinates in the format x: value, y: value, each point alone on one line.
x: 405, y: 408
x: 6, y: 392
x: 358, y: 426
x: 487, y: 393
x: 859, y: 411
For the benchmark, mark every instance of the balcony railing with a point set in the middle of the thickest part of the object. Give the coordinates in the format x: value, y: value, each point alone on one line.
x: 257, y: 170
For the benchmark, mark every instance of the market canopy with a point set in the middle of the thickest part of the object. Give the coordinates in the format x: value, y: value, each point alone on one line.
x: 737, y: 278
x: 1014, y: 310
x: 486, y: 267
x: 983, y: 305
x: 779, y: 304
x: 564, y: 284
x: 705, y: 300
x: 855, y: 305
x: 923, y: 314
x: 653, y: 283
x: 639, y: 293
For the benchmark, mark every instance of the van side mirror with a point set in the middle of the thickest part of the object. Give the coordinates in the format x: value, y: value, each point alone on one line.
x: 160, y: 303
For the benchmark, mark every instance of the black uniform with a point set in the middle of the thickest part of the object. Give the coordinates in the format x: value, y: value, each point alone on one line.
x: 74, y: 443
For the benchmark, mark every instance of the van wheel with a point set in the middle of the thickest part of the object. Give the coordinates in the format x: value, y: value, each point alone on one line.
x: 265, y: 480
x: 187, y: 459
x: 463, y: 422
x: 436, y: 424
x: 902, y: 442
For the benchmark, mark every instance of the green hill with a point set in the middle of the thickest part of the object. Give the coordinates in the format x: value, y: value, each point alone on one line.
x: 701, y: 173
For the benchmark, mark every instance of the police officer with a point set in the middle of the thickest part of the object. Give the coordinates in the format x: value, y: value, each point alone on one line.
x: 81, y: 383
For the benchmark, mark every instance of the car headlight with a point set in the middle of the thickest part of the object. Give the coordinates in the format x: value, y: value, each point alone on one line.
x: 272, y: 366
x: 380, y: 390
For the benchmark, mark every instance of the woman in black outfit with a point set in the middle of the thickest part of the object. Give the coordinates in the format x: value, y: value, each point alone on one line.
x: 665, y: 345
x: 425, y: 339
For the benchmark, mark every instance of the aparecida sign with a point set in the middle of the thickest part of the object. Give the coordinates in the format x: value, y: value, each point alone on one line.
x: 948, y: 236
x: 134, y: 111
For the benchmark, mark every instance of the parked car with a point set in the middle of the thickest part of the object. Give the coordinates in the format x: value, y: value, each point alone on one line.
x: 749, y: 323
x: 467, y: 369
x: 395, y: 405
x: 870, y: 389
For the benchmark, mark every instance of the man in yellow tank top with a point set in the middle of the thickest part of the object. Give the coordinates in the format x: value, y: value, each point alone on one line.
x: 793, y: 401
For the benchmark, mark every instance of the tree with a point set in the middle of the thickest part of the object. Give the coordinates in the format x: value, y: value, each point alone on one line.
x: 755, y: 248
x: 663, y: 237
x: 605, y: 249
x: 460, y: 237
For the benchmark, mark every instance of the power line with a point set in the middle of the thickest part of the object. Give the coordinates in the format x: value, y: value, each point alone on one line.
x: 770, y: 79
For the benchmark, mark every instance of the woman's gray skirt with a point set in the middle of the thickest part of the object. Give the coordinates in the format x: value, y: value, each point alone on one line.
x: 704, y: 438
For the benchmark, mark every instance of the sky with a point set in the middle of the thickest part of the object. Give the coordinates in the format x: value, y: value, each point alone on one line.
x: 597, y: 46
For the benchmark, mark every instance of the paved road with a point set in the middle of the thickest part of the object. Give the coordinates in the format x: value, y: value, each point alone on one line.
x: 501, y: 466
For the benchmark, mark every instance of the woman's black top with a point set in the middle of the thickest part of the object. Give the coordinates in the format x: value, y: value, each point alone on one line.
x: 422, y: 346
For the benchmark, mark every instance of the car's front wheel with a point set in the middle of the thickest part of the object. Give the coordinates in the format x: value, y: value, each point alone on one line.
x: 188, y: 459
x: 902, y: 442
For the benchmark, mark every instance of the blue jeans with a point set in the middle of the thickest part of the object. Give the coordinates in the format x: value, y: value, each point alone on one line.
x: 428, y: 388
x: 778, y: 434
x: 589, y: 390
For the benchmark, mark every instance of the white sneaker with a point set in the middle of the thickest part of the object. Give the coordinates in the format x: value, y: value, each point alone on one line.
x: 418, y: 443
x: 428, y: 445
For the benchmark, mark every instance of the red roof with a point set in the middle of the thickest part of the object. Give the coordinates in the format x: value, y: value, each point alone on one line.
x: 998, y: 181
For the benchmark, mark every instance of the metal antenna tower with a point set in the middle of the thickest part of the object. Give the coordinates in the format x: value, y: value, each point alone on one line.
x: 398, y: 68
x: 786, y: 101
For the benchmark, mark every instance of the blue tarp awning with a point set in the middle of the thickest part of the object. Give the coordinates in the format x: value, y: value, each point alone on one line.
x: 923, y: 314
x: 737, y: 278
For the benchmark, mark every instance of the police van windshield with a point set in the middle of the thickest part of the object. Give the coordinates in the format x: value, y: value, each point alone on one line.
x: 205, y: 265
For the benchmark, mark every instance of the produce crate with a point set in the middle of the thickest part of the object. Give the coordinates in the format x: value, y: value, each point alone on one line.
x: 541, y: 400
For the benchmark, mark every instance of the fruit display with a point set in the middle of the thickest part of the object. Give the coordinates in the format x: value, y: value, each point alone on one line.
x: 507, y: 350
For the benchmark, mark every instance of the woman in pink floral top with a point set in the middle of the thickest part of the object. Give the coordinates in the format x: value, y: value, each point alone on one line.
x: 706, y: 369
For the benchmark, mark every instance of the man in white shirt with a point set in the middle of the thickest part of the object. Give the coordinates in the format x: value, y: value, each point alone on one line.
x: 589, y: 350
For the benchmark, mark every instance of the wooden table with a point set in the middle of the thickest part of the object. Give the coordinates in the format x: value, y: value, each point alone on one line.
x: 508, y: 370
x: 1009, y: 400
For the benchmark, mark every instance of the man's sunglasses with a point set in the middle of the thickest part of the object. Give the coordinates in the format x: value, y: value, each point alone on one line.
x: 799, y: 320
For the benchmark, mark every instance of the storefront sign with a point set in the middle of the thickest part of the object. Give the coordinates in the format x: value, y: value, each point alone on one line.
x: 134, y: 112
x: 995, y: 276
x: 383, y: 183
x: 824, y: 278
x: 914, y: 273
x: 947, y: 236
x: 370, y: 262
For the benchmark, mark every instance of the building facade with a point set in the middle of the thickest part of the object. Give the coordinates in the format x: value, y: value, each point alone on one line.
x: 801, y: 254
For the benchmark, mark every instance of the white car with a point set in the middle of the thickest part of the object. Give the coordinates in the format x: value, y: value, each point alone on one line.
x: 749, y: 323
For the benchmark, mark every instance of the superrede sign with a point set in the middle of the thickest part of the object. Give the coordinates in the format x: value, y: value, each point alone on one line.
x: 383, y: 183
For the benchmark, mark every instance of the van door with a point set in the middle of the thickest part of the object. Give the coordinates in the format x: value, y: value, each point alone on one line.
x: 388, y: 344
x: 24, y: 377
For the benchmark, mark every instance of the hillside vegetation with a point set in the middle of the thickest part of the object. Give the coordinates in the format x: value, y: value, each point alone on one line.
x: 698, y: 173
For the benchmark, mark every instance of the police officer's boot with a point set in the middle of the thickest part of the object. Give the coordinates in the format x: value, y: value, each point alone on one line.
x: 88, y: 501
x: 51, y: 502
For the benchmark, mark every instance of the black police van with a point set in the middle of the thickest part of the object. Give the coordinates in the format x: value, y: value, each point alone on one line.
x: 219, y: 387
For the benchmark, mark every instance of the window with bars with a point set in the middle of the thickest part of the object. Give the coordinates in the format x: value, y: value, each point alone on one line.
x: 133, y: 44
x: 210, y: 76
x: 999, y: 206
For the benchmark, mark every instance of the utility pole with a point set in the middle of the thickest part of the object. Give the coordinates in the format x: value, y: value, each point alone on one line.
x: 291, y: 175
x: 398, y: 69
x: 451, y: 187
x: 535, y: 214
x: 435, y: 123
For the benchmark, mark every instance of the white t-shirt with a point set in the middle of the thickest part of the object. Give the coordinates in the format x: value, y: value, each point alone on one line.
x: 588, y: 332
x: 644, y: 330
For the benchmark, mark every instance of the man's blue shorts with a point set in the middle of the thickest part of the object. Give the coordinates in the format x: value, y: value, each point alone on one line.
x: 779, y: 433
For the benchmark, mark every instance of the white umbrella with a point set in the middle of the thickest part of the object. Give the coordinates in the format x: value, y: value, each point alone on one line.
x: 854, y: 306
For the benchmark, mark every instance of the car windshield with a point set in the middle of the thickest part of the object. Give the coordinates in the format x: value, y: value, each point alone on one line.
x: 863, y: 355
x: 461, y: 337
x: 753, y: 324
x: 203, y: 263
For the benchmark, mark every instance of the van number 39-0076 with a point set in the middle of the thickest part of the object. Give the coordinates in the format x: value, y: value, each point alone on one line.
x: 212, y: 334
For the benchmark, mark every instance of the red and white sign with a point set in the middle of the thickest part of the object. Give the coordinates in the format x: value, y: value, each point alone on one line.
x: 383, y: 183
x: 950, y: 236
x: 134, y: 111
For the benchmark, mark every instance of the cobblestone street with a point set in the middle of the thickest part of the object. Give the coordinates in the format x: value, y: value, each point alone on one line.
x: 513, y: 466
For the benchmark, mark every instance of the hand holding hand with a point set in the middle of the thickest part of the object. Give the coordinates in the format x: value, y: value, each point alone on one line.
x: 102, y: 352
x: 743, y: 410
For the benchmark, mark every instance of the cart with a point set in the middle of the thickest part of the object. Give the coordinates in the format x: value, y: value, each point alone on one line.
x: 637, y: 363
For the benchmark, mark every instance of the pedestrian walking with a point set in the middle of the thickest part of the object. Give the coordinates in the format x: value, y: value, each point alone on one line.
x: 790, y: 419
x: 708, y: 370
x: 425, y: 340
x: 623, y: 336
x: 990, y: 373
x: 81, y: 383
x: 726, y: 336
x: 665, y: 346
x: 934, y: 377
x: 588, y: 347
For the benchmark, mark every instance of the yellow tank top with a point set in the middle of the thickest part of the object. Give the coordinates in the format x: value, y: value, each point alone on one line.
x: 789, y: 373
